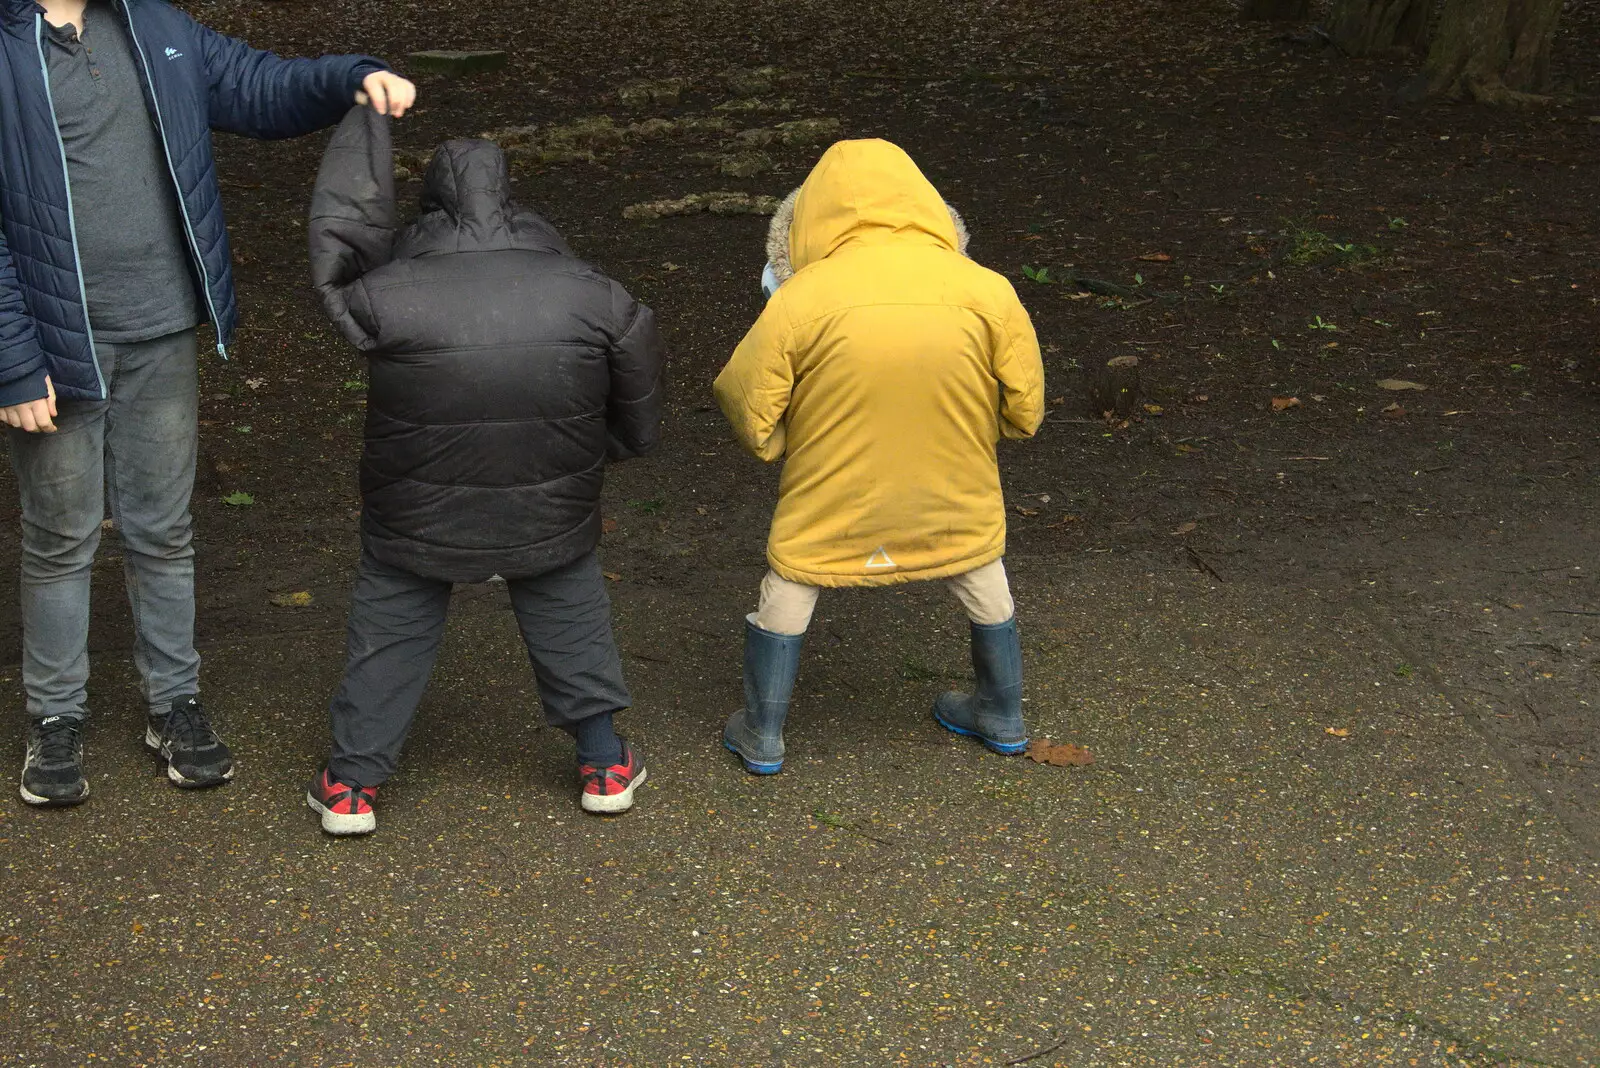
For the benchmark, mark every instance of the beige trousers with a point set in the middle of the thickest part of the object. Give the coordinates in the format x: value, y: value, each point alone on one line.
x: 786, y: 606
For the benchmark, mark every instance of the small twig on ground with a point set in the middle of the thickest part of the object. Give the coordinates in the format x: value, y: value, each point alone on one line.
x: 835, y: 823
x: 1573, y: 612
x: 1000, y: 76
x: 1528, y: 570
x: 1036, y: 1056
x: 1100, y: 287
x: 1200, y: 562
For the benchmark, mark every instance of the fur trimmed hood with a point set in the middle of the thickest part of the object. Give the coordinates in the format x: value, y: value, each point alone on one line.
x: 880, y: 206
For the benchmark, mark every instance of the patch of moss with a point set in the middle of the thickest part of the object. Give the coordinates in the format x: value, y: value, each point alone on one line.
x: 760, y: 137
x: 744, y: 164
x: 809, y: 131
x: 410, y: 164
x: 582, y: 140
x: 755, y: 104
x: 644, y: 93
x: 751, y: 81
x: 714, y: 203
x: 653, y: 129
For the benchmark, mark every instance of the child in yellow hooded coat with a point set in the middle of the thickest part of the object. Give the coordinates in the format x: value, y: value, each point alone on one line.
x: 883, y: 370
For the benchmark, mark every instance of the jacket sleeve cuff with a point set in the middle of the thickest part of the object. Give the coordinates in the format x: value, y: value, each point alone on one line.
x: 360, y: 70
x: 24, y: 390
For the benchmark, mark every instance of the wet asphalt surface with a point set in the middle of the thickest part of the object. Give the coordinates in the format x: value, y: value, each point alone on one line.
x: 1299, y: 844
x: 1230, y: 883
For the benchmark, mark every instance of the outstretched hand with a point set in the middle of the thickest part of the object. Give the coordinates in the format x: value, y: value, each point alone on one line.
x: 36, y: 417
x: 387, y: 93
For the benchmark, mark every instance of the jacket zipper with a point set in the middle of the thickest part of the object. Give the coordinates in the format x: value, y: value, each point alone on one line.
x: 72, y: 218
x: 183, y: 207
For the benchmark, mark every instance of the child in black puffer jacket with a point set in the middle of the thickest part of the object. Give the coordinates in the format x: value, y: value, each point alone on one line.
x: 504, y: 373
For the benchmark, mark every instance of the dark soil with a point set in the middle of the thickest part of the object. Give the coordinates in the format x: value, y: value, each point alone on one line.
x: 1281, y: 225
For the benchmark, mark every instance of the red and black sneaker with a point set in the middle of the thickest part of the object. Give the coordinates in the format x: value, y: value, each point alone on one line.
x: 610, y: 790
x: 346, y: 808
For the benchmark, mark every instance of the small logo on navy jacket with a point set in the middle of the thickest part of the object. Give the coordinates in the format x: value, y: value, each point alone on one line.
x: 173, y: 53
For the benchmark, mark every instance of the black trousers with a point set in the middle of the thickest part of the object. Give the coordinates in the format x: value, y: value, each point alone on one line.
x: 396, y: 622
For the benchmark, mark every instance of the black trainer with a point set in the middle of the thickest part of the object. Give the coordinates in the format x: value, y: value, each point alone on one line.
x: 52, y: 773
x: 184, y: 738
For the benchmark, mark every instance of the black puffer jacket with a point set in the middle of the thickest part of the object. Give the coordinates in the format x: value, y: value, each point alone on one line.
x: 504, y: 371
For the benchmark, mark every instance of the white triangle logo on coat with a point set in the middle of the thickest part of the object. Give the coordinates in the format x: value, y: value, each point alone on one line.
x: 881, y: 558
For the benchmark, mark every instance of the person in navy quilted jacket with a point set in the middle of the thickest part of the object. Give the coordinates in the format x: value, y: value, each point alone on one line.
x: 113, y: 250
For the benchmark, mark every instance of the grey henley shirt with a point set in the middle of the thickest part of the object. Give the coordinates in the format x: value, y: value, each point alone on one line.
x: 138, y: 272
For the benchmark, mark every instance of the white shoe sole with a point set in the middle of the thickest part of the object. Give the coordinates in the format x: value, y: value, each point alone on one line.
x: 340, y: 823
x: 152, y: 741
x: 50, y: 802
x: 611, y: 804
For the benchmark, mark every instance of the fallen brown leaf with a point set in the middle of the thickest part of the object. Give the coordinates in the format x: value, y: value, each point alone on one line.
x: 1394, y: 411
x: 607, y: 525
x: 1156, y: 257
x: 1187, y: 528
x: 1064, y: 755
x: 1200, y: 398
x: 299, y: 599
x: 1154, y: 409
x: 1283, y: 404
x: 612, y: 575
x: 1396, y: 384
x: 1338, y: 732
x: 1017, y: 508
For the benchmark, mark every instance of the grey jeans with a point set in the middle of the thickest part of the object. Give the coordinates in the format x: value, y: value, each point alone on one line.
x: 135, y: 452
x: 396, y: 622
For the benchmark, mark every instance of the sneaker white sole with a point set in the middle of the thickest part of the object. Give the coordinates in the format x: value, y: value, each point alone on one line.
x: 341, y: 823
x: 611, y: 804
x: 51, y: 802
x: 152, y: 742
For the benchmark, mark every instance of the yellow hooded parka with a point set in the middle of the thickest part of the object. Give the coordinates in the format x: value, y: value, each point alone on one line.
x: 884, y: 371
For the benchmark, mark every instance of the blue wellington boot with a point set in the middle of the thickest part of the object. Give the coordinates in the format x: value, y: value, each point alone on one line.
x: 993, y: 714
x: 755, y: 732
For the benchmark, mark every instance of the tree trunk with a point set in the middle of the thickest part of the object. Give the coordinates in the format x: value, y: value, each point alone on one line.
x: 1493, y: 51
x: 1276, y: 10
x: 1372, y: 27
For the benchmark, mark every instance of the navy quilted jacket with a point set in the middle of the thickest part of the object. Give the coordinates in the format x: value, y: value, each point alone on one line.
x: 196, y: 80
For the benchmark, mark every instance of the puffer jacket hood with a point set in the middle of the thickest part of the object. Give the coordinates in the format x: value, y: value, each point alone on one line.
x: 504, y: 371
x: 467, y: 207
x: 882, y: 372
